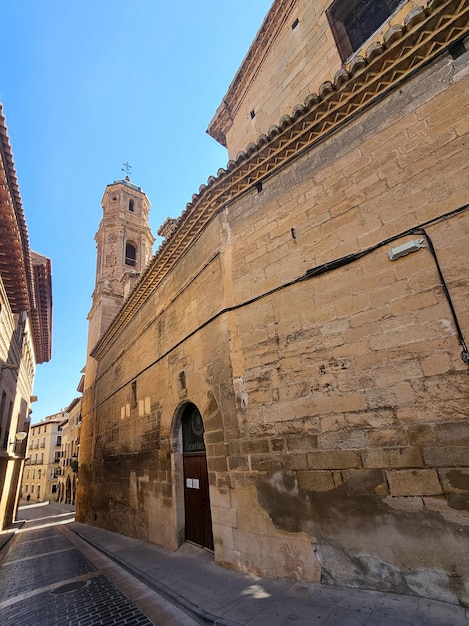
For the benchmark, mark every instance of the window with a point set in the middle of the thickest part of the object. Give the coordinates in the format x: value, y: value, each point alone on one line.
x: 134, y: 394
x: 131, y: 206
x: 130, y: 254
x: 7, y: 426
x: 353, y: 21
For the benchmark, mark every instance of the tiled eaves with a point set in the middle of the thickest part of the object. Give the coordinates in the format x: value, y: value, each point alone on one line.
x: 41, y: 317
x: 426, y: 33
x: 15, y: 251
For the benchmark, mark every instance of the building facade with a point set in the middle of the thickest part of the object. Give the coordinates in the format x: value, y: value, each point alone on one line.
x: 68, y: 470
x: 25, y: 329
x: 42, y: 466
x: 287, y: 382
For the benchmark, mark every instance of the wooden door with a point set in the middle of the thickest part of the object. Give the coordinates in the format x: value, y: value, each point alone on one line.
x: 198, y: 519
x: 197, y: 500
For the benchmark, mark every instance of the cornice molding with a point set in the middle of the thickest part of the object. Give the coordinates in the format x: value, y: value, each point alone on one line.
x: 15, y: 258
x: 425, y: 34
x: 249, y: 68
x: 41, y: 317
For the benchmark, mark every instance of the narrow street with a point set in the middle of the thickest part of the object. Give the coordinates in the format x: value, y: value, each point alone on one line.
x: 51, y: 577
x: 58, y: 572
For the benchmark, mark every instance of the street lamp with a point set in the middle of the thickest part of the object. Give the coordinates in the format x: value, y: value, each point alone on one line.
x: 19, y: 437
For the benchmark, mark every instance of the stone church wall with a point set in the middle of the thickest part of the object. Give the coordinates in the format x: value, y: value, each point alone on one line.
x: 333, y: 393
x: 281, y: 73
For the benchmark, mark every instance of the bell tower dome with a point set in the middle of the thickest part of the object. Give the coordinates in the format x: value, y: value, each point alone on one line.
x: 124, y: 248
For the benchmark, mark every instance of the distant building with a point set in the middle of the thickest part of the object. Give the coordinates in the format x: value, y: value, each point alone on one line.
x: 25, y: 329
x: 42, y: 467
x: 286, y: 384
x: 68, y: 471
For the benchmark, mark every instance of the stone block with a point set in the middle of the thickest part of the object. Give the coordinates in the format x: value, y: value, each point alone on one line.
x: 349, y: 402
x: 387, y: 437
x: 222, y: 537
x: 238, y: 462
x: 316, y: 480
x: 454, y: 480
x: 392, y: 458
x: 294, y: 461
x: 363, y: 482
x: 455, y: 456
x: 415, y: 482
x: 452, y: 433
x: 262, y: 462
x: 217, y: 464
x: 421, y: 434
x: 302, y: 443
x: 228, y: 517
x: 255, y: 445
x: 436, y: 364
x: 277, y: 444
x: 333, y: 459
x: 236, y: 480
x: 344, y: 439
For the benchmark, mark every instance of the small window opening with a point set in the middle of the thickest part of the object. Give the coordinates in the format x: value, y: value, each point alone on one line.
x: 134, y: 394
x: 457, y: 49
x: 252, y: 114
x: 182, y: 380
x: 295, y: 24
x: 130, y: 254
x: 131, y: 205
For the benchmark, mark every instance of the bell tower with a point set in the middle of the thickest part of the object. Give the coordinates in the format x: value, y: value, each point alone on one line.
x: 124, y: 248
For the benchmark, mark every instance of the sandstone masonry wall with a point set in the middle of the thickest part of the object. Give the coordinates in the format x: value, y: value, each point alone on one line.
x: 334, y: 399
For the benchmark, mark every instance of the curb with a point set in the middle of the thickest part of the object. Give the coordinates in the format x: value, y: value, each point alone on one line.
x: 195, y: 611
x: 9, y: 533
x: 33, y: 505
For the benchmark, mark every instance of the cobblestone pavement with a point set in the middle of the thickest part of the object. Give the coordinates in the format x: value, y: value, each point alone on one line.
x: 48, y: 578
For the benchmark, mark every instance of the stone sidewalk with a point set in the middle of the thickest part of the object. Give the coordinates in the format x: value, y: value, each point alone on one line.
x: 211, y: 594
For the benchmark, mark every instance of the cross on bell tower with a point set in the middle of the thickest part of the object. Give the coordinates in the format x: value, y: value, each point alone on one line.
x: 127, y: 167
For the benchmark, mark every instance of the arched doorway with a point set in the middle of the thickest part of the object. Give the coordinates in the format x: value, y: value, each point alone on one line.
x: 198, y: 519
x: 68, y: 491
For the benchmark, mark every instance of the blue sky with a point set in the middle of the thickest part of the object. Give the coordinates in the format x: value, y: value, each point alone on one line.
x: 87, y: 85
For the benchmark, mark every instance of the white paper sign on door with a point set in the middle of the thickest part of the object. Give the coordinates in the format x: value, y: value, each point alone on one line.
x: 195, y: 483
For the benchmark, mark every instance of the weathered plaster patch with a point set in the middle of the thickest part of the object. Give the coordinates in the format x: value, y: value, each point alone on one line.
x: 369, y: 541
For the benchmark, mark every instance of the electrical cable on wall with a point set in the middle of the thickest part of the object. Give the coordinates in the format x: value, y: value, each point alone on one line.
x: 444, y: 286
x: 317, y: 271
